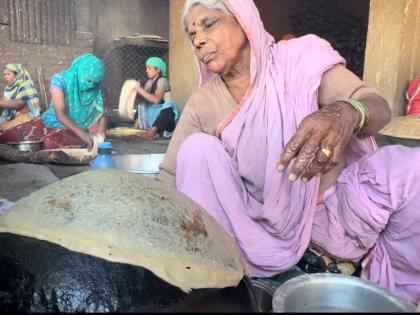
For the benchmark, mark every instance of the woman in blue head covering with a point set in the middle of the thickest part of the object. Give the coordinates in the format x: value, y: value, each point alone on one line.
x: 77, y: 103
x: 155, y: 115
x: 76, y: 110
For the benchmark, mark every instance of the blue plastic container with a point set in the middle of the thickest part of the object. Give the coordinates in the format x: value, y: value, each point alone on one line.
x: 104, y: 159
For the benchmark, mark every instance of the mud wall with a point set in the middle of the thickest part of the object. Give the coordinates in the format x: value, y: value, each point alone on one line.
x: 52, y: 58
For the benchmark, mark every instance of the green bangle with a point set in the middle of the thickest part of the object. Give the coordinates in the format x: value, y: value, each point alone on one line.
x: 362, y: 109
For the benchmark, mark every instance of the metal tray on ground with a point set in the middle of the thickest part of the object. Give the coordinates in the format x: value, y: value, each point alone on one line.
x: 145, y: 164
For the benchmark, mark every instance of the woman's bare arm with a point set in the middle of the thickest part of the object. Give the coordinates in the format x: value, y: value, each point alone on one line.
x: 17, y: 105
x: 155, y: 98
x: 61, y: 112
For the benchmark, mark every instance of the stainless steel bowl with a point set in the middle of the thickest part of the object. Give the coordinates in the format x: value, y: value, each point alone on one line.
x: 144, y: 164
x: 328, y: 292
x: 26, y: 146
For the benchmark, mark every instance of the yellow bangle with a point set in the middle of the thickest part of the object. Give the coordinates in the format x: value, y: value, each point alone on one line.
x: 362, y: 109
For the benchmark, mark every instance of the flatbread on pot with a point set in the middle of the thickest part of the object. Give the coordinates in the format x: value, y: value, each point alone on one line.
x: 128, y: 218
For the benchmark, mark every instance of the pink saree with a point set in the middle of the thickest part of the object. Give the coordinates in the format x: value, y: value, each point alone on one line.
x: 234, y: 177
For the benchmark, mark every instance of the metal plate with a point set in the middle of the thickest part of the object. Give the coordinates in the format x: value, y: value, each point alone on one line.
x: 145, y: 164
x: 26, y: 146
x: 326, y: 292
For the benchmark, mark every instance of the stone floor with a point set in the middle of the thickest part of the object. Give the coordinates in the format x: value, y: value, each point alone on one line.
x: 18, y: 180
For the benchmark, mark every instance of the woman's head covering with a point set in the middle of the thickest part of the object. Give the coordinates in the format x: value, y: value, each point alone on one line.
x: 23, y: 88
x: 249, y: 19
x: 83, y: 90
x: 157, y: 63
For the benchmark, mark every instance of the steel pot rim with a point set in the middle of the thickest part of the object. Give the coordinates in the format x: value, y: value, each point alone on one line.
x: 286, y: 289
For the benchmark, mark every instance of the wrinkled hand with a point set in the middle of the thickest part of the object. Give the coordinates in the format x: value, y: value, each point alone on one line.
x: 319, y: 142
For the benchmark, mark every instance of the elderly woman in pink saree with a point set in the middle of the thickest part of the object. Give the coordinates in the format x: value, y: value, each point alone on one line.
x: 277, y: 145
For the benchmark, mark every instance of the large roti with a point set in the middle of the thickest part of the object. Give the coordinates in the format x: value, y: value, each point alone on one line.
x: 127, y: 99
x: 128, y: 218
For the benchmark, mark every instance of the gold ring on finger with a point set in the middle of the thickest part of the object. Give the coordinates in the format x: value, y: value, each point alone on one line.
x: 327, y: 152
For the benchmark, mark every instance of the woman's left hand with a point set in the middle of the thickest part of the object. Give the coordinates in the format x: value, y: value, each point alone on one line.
x: 88, y: 140
x: 139, y: 88
x: 319, y: 142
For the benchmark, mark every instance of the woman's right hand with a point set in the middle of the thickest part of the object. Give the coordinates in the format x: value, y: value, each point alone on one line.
x: 140, y: 90
x: 88, y: 140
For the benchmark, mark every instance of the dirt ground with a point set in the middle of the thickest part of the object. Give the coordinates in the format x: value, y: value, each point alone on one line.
x: 18, y: 180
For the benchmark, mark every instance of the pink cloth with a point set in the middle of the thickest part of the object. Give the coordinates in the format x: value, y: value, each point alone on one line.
x: 235, y: 178
x: 375, y: 206
x: 413, y: 97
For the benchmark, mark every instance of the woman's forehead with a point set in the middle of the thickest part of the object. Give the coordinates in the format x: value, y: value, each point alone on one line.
x: 5, y: 71
x: 199, y: 13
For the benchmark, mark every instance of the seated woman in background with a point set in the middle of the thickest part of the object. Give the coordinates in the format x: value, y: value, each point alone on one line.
x: 76, y: 111
x: 155, y: 115
x: 20, y: 102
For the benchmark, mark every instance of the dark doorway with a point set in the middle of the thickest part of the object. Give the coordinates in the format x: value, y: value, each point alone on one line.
x: 343, y: 23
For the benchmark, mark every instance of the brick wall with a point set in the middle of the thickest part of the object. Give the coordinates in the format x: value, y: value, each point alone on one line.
x: 51, y: 58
